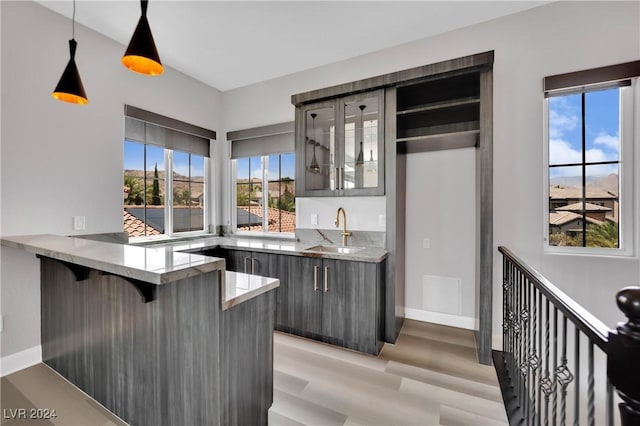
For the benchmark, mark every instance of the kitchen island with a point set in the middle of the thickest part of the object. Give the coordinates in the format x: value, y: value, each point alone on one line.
x: 157, y: 336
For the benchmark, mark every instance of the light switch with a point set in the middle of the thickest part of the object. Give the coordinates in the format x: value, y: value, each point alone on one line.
x: 314, y: 218
x: 78, y: 223
x: 382, y: 220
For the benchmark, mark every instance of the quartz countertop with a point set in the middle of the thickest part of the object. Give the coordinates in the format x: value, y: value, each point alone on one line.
x: 152, y: 264
x: 265, y: 245
x: 239, y: 287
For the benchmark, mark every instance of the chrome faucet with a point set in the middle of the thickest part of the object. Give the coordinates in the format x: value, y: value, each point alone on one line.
x: 345, y: 233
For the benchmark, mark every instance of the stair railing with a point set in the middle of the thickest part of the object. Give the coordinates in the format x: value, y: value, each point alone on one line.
x: 546, y: 336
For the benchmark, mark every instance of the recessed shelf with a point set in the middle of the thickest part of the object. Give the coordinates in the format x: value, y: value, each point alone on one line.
x: 422, y: 132
x: 438, y: 142
x: 441, y: 90
x: 440, y: 105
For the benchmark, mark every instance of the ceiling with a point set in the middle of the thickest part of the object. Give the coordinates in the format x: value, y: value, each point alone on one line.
x: 236, y: 43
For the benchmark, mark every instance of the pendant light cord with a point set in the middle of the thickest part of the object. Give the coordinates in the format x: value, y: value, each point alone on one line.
x: 73, y: 21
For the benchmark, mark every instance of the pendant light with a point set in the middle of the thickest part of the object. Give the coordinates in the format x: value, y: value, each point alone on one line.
x: 314, y: 167
x: 69, y: 88
x: 371, y: 164
x: 141, y: 55
x: 360, y: 159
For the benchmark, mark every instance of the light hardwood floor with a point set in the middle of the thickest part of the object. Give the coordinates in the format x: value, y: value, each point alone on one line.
x: 429, y: 377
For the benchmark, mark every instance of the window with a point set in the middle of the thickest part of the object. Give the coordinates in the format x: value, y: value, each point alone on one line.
x: 263, y: 179
x: 590, y: 138
x: 270, y: 207
x: 165, y: 178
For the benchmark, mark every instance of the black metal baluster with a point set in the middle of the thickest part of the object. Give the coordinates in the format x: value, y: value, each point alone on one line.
x: 512, y: 349
x: 518, y: 334
x: 554, y: 393
x: 527, y: 352
x: 546, y: 383
x: 563, y: 375
x: 576, y: 396
x: 505, y: 290
x: 591, y: 409
x: 540, y: 358
x: 533, y: 361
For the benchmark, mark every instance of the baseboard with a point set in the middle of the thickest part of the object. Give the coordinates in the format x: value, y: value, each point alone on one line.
x: 440, y: 318
x: 20, y: 360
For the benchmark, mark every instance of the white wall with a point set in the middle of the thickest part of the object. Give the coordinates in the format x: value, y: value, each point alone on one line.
x: 363, y: 213
x: 440, y: 279
x: 555, y: 38
x: 61, y: 160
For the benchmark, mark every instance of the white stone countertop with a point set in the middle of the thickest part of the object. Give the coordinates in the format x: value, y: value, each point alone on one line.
x: 152, y: 264
x: 266, y: 245
x: 239, y: 287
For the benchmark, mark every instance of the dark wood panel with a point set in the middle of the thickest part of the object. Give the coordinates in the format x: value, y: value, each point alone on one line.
x: 247, y: 374
x: 99, y: 335
x: 306, y: 303
x: 160, y: 363
x: 476, y: 62
x: 395, y: 181
x: 349, y: 304
x: 485, y: 214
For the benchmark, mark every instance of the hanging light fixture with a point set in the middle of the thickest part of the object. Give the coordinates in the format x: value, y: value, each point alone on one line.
x: 360, y: 159
x: 69, y: 88
x: 141, y: 55
x: 314, y: 167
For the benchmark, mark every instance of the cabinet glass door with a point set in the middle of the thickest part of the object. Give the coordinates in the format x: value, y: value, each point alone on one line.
x: 361, y: 143
x: 320, y: 137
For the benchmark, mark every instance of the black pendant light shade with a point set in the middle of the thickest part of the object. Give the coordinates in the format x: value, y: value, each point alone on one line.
x: 314, y: 167
x: 360, y: 159
x: 70, y: 88
x: 141, y: 55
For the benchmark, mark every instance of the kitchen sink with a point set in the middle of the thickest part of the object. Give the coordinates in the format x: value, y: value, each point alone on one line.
x: 335, y: 249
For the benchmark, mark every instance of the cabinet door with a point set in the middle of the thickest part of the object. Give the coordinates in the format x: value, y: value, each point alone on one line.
x: 361, y: 144
x: 286, y: 272
x: 349, y: 303
x: 305, y: 296
x: 263, y: 264
x: 317, y: 148
x: 239, y: 261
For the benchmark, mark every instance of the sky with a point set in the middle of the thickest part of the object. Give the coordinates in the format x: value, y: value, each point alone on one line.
x: 252, y: 165
x: 134, y: 159
x: 601, y: 130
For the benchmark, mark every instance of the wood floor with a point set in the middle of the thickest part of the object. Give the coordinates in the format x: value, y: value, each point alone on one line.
x: 429, y: 377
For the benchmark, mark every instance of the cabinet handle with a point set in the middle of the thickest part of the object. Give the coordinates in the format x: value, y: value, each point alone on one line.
x: 342, y: 178
x: 337, y: 185
x: 245, y: 265
x: 315, y: 277
x: 326, y: 279
x: 253, y: 265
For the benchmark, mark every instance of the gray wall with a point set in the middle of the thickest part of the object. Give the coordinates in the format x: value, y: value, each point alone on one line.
x: 555, y: 38
x: 60, y: 160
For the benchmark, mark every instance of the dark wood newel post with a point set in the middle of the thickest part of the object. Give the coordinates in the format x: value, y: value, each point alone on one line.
x: 623, y: 356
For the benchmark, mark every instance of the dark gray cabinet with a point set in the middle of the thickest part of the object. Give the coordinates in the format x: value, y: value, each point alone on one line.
x: 249, y: 262
x: 336, y: 301
x: 340, y: 146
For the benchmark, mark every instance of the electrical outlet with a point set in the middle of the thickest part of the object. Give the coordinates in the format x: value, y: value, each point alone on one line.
x: 426, y: 243
x: 314, y: 218
x: 78, y: 223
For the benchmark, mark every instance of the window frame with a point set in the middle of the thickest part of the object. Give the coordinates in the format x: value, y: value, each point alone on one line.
x: 168, y: 199
x: 629, y: 103
x: 265, y: 233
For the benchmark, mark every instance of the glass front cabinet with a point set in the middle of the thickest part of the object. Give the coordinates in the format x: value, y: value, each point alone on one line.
x: 340, y: 146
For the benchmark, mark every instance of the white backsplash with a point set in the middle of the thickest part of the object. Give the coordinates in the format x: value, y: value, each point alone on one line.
x: 363, y: 213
